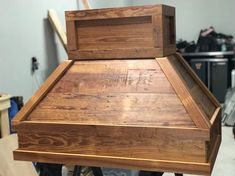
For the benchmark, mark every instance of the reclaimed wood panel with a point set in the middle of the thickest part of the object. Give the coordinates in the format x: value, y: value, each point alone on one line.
x: 114, y: 141
x: 122, y: 34
x: 114, y: 92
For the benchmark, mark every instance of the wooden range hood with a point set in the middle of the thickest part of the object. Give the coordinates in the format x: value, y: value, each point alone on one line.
x: 124, y: 99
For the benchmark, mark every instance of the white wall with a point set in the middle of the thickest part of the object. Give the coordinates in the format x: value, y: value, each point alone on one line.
x: 96, y: 4
x: 25, y: 32
x: 194, y: 15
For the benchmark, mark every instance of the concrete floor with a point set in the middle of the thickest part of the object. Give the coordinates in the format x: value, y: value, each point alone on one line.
x: 225, y: 162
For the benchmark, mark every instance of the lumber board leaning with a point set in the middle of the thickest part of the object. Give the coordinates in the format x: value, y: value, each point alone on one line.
x: 41, y: 92
x: 86, y: 4
x: 55, y: 23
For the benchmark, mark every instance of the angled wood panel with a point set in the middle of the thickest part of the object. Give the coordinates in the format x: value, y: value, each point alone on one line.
x: 118, y: 92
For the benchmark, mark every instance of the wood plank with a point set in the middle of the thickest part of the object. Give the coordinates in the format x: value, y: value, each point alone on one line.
x: 157, y: 31
x: 115, y: 162
x: 41, y: 93
x: 113, y: 109
x: 117, y: 141
x: 137, y: 53
x: 134, y: 11
x: 86, y: 4
x: 54, y: 20
x: 176, y: 81
x: 114, y: 76
x: 129, y: 36
x: 71, y: 35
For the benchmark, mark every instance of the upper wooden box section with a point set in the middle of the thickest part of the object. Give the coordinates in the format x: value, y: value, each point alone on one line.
x: 129, y: 32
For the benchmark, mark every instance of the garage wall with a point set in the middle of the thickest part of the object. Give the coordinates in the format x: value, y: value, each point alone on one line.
x: 96, y: 4
x: 194, y: 15
x: 25, y: 32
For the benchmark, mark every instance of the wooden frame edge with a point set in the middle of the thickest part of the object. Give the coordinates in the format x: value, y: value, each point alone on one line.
x: 115, y: 162
x: 202, y: 134
x: 175, y: 80
x: 41, y: 92
x: 200, y: 83
x: 214, y: 152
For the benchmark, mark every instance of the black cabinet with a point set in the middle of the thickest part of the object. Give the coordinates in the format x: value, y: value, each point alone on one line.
x: 214, y: 69
x: 200, y: 68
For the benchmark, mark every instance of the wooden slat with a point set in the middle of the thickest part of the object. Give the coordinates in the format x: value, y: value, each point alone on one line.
x: 157, y: 31
x: 132, y: 11
x: 183, y: 93
x: 41, y: 93
x: 113, y: 109
x: 54, y: 20
x: 71, y: 35
x: 114, y: 162
x: 86, y: 4
x: 137, y: 53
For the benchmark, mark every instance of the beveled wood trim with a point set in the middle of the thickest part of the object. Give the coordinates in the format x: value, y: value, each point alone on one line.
x: 192, y: 133
x: 131, y: 11
x: 190, y: 105
x: 41, y: 92
x: 215, y: 115
x: 137, y: 53
x: 198, y: 80
x: 115, y: 162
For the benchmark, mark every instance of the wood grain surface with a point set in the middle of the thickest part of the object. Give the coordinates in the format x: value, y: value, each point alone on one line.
x: 114, y: 92
x: 132, y: 32
x: 134, y: 11
x: 115, y: 141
